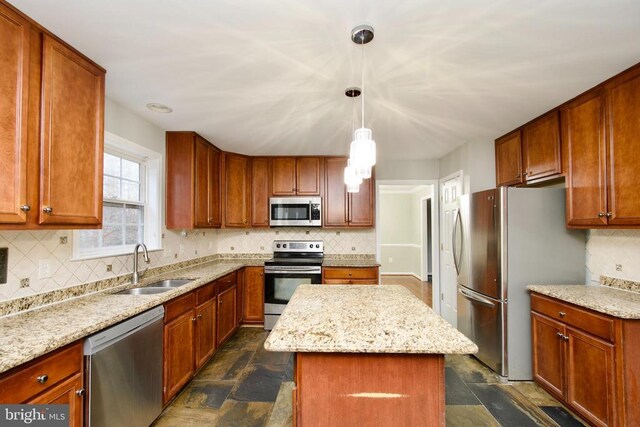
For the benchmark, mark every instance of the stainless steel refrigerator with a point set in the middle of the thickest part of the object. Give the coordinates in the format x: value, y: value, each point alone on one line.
x: 505, y: 239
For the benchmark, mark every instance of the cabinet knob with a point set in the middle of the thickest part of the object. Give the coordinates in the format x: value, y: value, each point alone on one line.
x: 25, y: 208
x: 80, y: 393
x: 47, y: 209
x: 565, y: 337
x: 562, y: 313
x: 219, y: 302
x: 199, y: 316
x: 559, y: 334
x: 261, y: 274
x: 42, y: 378
x: 609, y: 214
x: 210, y: 219
x: 601, y: 214
x: 193, y: 319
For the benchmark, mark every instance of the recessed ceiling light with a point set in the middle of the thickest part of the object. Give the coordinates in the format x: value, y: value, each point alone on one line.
x: 159, y: 108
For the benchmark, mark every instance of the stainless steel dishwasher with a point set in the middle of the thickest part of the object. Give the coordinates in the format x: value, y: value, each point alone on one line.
x: 124, y: 372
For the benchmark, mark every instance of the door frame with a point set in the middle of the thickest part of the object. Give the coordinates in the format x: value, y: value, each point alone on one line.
x: 435, y: 229
x: 437, y: 288
x: 425, y: 203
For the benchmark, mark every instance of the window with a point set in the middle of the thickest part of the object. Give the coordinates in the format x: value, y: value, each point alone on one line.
x: 130, y: 193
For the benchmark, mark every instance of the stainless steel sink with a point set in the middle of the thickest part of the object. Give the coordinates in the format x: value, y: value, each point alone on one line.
x: 170, y: 283
x: 144, y: 291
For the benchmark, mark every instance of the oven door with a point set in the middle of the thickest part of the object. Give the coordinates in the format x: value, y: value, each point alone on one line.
x: 280, y: 282
x: 295, y: 211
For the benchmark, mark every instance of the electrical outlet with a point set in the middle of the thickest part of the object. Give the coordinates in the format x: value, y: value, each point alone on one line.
x: 181, y: 249
x: 24, y: 283
x: 211, y: 244
x: 167, y: 251
x: 44, y: 268
x: 618, y: 267
x: 390, y: 260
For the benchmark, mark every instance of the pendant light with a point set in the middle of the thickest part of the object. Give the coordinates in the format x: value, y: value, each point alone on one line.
x: 351, y: 177
x: 363, y: 148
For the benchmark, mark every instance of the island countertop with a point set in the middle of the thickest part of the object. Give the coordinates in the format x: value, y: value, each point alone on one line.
x: 363, y: 319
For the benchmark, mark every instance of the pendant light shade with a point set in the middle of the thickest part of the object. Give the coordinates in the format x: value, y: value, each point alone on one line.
x: 351, y: 178
x: 363, y: 153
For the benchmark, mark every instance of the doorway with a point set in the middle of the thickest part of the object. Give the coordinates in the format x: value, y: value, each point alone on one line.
x: 406, y: 232
x: 450, y: 192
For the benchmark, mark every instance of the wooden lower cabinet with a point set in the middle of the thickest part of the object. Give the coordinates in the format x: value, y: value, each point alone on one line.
x: 350, y: 275
x: 254, y: 295
x: 587, y: 360
x: 55, y: 378
x: 205, y: 332
x: 178, y: 354
x: 227, y: 321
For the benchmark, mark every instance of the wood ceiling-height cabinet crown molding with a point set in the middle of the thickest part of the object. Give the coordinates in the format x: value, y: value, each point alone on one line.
x: 52, y: 99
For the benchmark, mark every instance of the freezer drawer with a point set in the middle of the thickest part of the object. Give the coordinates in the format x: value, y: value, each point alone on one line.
x: 482, y: 320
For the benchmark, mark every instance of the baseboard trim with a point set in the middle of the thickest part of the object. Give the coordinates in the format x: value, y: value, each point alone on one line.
x: 401, y: 274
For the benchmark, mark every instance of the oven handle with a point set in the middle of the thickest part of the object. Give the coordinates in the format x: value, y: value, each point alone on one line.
x: 302, y: 270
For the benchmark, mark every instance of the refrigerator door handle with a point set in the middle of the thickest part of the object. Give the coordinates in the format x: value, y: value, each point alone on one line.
x: 476, y: 298
x: 454, y: 238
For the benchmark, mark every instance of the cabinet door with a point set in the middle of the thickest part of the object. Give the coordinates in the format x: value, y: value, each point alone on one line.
x: 361, y: 205
x: 237, y: 190
x: 205, y: 332
x: 226, y: 314
x: 201, y: 186
x: 590, y: 377
x: 178, y: 354
x: 254, y: 295
x: 335, y: 193
x: 548, y: 353
x: 14, y: 85
x: 69, y: 392
x: 283, y: 176
x: 72, y: 123
x: 240, y: 295
x: 623, y: 130
x: 215, y: 193
x: 260, y: 192
x: 584, y: 152
x: 509, y: 160
x: 308, y: 176
x: 541, y: 147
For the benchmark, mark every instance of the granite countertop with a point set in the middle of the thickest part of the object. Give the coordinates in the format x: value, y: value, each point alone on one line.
x: 363, y: 319
x: 28, y: 335
x: 603, y: 299
x: 350, y: 263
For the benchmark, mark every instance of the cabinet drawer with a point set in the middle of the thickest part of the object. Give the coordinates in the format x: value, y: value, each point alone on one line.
x: 351, y: 273
x: 594, y: 323
x: 24, y: 385
x: 227, y: 282
x: 178, y: 306
x: 205, y: 293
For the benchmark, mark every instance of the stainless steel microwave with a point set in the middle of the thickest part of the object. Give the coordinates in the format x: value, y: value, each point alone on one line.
x: 295, y: 211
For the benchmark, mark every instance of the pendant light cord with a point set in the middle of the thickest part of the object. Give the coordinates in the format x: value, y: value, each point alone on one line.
x: 362, y: 75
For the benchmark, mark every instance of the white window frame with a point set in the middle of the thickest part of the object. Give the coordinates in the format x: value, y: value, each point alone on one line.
x: 150, y: 192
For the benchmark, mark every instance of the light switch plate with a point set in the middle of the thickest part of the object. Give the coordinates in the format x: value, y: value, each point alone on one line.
x: 4, y: 263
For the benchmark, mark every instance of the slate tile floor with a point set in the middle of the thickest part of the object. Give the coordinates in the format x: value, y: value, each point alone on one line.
x: 244, y: 385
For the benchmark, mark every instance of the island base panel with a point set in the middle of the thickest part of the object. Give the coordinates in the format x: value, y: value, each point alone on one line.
x: 339, y: 389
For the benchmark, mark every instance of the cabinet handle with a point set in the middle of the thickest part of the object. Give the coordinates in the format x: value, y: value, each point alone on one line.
x: 80, y: 393
x: 559, y: 334
x: 193, y: 319
x: 565, y: 337
x: 562, y: 313
x: 609, y: 214
x: 25, y: 208
x: 601, y: 214
x: 42, y: 378
x: 47, y: 209
x: 199, y: 316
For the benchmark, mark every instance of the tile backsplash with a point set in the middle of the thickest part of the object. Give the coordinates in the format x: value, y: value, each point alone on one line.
x: 613, y: 253
x: 28, y: 248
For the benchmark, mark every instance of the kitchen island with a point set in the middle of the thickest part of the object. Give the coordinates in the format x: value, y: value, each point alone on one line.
x: 366, y: 355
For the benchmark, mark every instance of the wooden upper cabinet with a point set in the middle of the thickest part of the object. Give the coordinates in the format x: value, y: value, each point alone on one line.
x: 541, y: 147
x: 509, y: 159
x: 14, y: 87
x: 335, y: 201
x: 622, y: 96
x: 308, y: 176
x: 72, y: 132
x: 260, y: 192
x: 237, y: 190
x: 584, y: 151
x: 192, y: 182
x: 283, y: 176
x: 296, y: 176
x: 342, y: 209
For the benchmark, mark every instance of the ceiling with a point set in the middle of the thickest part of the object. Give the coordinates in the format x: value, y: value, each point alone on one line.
x: 268, y: 77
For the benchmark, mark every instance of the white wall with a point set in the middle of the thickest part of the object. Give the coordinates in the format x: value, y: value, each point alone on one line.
x: 407, y: 169
x: 477, y: 160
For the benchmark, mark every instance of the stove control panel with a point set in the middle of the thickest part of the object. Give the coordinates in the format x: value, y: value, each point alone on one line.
x: 298, y: 246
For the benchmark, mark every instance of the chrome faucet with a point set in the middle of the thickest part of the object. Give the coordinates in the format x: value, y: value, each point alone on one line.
x: 137, y: 275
